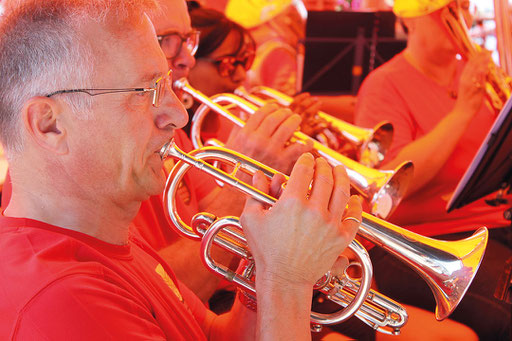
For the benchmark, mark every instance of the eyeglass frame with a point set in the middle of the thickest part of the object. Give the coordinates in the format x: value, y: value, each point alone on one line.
x: 157, y: 91
x: 218, y: 62
x: 193, y: 33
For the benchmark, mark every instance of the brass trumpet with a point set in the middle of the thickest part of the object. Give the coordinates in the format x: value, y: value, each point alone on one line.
x: 448, y: 266
x: 498, y: 84
x: 369, y: 145
x: 382, y: 189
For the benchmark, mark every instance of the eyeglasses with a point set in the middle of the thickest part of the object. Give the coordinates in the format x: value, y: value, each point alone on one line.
x: 160, y: 85
x: 171, y: 43
x: 226, y: 65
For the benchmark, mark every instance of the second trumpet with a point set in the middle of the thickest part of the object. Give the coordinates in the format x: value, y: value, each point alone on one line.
x: 382, y: 189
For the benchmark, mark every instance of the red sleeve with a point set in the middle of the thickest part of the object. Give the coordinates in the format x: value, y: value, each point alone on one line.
x: 195, y: 305
x: 82, y: 307
x: 380, y: 100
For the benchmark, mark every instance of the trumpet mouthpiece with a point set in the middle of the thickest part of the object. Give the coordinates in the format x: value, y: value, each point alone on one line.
x: 166, y: 148
x: 180, y: 84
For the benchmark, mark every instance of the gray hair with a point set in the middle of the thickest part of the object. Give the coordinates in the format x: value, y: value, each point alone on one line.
x: 42, y: 51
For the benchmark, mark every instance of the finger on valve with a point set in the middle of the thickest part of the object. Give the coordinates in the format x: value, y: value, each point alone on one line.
x: 352, y: 216
x: 254, y: 121
x: 304, y: 104
x: 340, y: 266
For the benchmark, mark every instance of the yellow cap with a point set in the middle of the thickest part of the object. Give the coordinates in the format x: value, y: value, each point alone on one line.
x: 417, y: 8
x: 251, y: 13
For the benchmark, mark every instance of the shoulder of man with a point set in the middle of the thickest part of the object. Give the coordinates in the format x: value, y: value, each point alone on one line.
x: 84, y: 305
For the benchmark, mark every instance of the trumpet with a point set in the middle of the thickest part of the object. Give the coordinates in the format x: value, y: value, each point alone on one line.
x: 368, y: 145
x: 382, y: 189
x: 448, y: 267
x: 498, y: 84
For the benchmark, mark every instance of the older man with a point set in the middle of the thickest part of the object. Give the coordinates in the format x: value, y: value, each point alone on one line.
x: 86, y: 106
x: 264, y: 138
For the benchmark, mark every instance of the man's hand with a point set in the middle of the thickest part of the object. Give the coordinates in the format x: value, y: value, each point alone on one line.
x: 305, y: 105
x: 300, y: 238
x: 265, y: 138
x: 472, y: 82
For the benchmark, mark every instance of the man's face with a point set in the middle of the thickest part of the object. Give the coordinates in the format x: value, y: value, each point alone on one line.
x: 433, y: 32
x: 116, y: 150
x: 175, y: 19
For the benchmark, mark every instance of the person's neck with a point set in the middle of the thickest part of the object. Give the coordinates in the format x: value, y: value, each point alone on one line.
x: 98, y: 218
x: 439, y: 67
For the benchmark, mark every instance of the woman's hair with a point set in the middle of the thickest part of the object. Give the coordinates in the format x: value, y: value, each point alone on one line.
x: 214, y: 28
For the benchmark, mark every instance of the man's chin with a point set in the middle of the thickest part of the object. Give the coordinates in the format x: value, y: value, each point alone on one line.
x: 156, y: 184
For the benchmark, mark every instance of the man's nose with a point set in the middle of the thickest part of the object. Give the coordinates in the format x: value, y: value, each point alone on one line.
x: 184, y: 60
x: 171, y: 113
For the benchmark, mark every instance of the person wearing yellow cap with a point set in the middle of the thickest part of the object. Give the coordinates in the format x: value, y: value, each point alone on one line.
x: 435, y: 100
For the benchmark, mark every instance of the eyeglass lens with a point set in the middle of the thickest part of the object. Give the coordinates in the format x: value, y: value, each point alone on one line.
x: 161, y: 85
x: 171, y: 44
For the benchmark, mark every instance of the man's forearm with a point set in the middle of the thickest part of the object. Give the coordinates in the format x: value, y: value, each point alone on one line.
x: 283, y: 311
x: 279, y: 307
x: 430, y: 152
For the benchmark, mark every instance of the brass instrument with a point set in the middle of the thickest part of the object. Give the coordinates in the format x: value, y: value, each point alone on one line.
x: 502, y: 20
x: 448, y: 266
x: 382, y: 189
x: 498, y: 84
x: 368, y: 146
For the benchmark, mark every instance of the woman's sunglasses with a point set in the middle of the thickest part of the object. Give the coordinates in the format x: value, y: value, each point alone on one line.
x: 226, y: 65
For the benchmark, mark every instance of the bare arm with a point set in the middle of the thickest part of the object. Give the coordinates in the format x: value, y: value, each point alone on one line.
x: 341, y: 106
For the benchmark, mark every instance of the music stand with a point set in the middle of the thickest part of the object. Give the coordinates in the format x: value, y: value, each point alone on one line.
x: 341, y: 48
x: 491, y: 168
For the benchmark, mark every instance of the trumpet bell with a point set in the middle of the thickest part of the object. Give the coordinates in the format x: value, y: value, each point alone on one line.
x: 388, y: 188
x: 374, y: 147
x: 448, y: 267
x: 460, y: 266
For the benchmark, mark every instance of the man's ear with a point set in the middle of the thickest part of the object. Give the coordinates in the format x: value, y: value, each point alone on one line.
x: 44, y: 124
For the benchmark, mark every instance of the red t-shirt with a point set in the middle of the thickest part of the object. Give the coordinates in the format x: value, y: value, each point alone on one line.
x: 415, y: 104
x: 59, y: 284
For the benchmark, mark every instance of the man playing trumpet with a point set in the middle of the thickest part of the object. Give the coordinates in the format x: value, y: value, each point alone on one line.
x: 86, y: 107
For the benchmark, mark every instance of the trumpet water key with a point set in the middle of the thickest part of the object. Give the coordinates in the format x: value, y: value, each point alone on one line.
x: 382, y: 189
x: 448, y: 267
